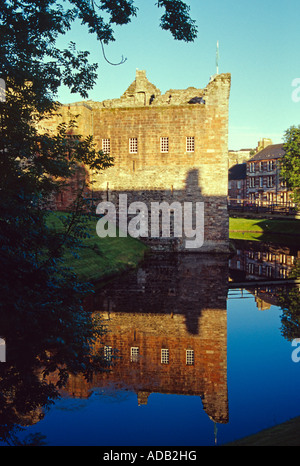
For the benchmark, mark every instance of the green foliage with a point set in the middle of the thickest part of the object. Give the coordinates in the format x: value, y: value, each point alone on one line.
x: 289, y: 302
x: 290, y: 165
x: 177, y: 20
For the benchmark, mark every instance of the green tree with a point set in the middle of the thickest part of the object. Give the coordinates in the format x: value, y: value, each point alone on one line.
x: 289, y: 302
x: 290, y: 164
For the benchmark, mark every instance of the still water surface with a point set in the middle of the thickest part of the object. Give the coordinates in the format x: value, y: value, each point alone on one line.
x: 201, y: 361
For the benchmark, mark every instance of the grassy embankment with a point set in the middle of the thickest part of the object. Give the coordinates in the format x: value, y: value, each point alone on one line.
x: 264, y: 229
x: 285, y: 434
x: 101, y: 258
x: 106, y: 257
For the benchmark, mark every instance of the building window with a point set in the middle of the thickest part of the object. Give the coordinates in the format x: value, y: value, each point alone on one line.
x: 134, y: 354
x: 269, y: 271
x: 133, y: 145
x: 106, y: 146
x: 252, y: 182
x: 190, y: 357
x: 252, y: 167
x: 270, y: 181
x: 283, y: 273
x: 164, y: 145
x: 261, y: 182
x: 108, y: 353
x: 190, y: 144
x: 164, y: 356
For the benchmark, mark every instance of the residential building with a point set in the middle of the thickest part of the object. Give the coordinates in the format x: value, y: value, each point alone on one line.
x: 237, y: 184
x: 264, y: 184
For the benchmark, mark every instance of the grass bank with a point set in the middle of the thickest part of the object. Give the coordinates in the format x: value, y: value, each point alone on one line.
x: 264, y: 229
x: 282, y: 435
x: 100, y: 258
x: 105, y: 257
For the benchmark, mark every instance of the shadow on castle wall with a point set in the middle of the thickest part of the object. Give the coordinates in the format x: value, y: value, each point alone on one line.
x: 212, y: 233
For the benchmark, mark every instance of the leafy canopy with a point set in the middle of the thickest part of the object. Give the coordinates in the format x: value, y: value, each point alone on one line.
x: 290, y: 165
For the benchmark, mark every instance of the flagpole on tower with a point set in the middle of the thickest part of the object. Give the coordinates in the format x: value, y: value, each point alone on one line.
x: 217, y: 57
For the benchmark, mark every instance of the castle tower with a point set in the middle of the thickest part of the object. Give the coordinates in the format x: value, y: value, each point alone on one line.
x: 166, y: 147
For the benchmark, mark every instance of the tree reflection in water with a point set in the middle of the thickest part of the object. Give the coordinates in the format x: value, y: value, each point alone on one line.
x: 44, y: 344
x: 289, y: 302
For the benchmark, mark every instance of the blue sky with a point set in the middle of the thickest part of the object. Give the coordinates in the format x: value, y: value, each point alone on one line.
x: 259, y: 46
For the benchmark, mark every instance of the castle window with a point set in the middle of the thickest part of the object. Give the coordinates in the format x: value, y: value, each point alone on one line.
x: 133, y: 145
x: 164, y: 145
x: 108, y: 353
x: 190, y: 357
x: 2, y: 350
x: 134, y: 354
x: 106, y: 146
x: 164, y: 356
x: 190, y: 144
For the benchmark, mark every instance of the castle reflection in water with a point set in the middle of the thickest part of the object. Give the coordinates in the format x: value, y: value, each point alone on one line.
x: 168, y: 323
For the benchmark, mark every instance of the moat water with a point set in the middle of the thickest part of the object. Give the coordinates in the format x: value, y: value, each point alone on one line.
x: 205, y: 355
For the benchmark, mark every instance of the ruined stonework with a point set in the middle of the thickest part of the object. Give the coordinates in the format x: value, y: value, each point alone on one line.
x: 190, y: 163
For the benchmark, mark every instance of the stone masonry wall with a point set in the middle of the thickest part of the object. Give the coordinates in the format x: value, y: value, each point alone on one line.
x: 149, y: 175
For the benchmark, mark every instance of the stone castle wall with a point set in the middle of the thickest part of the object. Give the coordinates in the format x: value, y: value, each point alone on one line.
x: 149, y: 175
